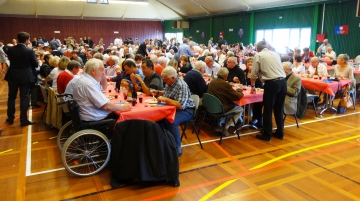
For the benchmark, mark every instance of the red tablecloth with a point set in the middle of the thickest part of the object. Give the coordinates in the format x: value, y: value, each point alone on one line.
x: 250, y: 98
x: 143, y: 110
x: 357, y: 72
x: 319, y: 85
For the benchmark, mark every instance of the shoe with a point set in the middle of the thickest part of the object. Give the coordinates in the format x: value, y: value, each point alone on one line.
x: 320, y: 107
x: 262, y: 137
x: 278, y: 135
x: 174, y: 183
x: 179, y: 152
x: 27, y: 123
x: 253, y: 122
x: 226, y: 133
x: 9, y: 121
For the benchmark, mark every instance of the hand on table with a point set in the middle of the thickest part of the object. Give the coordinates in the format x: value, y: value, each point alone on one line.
x: 236, y: 79
x: 124, y: 83
x: 125, y: 107
x: 253, y: 90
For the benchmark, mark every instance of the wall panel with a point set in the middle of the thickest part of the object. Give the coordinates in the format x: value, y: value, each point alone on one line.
x: 202, y: 25
x: 96, y: 29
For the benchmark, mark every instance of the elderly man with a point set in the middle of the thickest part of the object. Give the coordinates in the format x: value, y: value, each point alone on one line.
x: 323, y: 48
x: 94, y: 105
x: 315, y: 65
x: 267, y: 65
x: 212, y: 67
x: 162, y: 62
x: 293, y: 84
x: 195, y: 80
x: 170, y: 54
x: 111, y: 62
x: 330, y: 54
x: 227, y: 95
x: 152, y: 80
x: 184, y: 49
x: 176, y: 93
x: 75, y: 56
x: 236, y: 74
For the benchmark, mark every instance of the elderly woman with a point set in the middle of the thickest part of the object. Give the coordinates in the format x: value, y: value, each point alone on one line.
x: 256, y: 107
x: 298, y: 67
x: 63, y: 62
x: 184, y: 64
x: 174, y: 64
x: 343, y: 70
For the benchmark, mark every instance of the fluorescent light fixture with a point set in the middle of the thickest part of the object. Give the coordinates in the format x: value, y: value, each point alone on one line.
x: 128, y: 2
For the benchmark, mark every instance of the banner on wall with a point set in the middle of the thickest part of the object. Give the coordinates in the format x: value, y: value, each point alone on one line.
x: 221, y: 33
x: 342, y: 29
x: 202, y: 35
x: 240, y: 33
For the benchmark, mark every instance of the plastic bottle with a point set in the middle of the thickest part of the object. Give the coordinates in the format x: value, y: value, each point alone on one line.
x: 212, y: 75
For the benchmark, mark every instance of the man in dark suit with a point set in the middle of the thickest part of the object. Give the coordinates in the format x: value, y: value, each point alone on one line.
x: 142, y: 48
x: 20, y: 76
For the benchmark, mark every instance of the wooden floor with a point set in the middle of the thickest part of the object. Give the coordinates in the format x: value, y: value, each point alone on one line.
x: 318, y: 161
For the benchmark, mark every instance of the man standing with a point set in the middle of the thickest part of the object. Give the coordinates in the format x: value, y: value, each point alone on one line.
x: 20, y: 76
x: 176, y: 93
x: 142, y: 48
x: 267, y: 65
x: 323, y: 48
x: 184, y: 49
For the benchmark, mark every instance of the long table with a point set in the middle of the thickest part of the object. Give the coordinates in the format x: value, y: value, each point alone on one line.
x: 143, y: 111
x: 328, y: 88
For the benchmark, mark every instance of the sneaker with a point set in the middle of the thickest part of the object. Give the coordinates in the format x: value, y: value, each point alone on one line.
x: 220, y: 129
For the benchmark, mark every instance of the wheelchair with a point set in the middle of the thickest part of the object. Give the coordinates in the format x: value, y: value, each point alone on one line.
x: 85, y: 149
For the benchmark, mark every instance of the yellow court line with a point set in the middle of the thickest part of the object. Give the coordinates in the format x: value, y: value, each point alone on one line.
x: 35, y: 142
x: 8, y: 150
x: 53, y: 137
x: 302, y: 150
x: 213, y: 192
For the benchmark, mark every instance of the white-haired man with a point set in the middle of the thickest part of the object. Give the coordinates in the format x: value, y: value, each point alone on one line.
x: 227, y: 95
x: 94, y: 105
x: 323, y: 47
x: 112, y: 63
x: 195, y: 80
x: 267, y: 65
x: 176, y: 93
x: 162, y: 62
x: 211, y: 66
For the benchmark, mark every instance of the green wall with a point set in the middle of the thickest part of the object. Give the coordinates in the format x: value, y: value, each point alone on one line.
x: 168, y: 24
x: 342, y: 13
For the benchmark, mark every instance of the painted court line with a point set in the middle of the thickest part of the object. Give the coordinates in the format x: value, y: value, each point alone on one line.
x: 302, y: 150
x: 28, y: 150
x: 213, y: 192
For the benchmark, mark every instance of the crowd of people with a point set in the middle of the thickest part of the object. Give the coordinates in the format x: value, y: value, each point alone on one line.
x: 168, y: 70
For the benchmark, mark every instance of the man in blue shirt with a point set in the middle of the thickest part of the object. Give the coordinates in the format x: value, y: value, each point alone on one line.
x: 176, y: 93
x: 184, y: 49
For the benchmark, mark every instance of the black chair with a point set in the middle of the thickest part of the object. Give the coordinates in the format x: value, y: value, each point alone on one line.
x: 214, y: 107
x: 314, y: 99
x: 192, y: 121
x: 45, y: 96
x: 297, y: 124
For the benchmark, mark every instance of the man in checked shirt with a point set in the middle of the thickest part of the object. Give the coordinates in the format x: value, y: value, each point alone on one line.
x: 176, y: 93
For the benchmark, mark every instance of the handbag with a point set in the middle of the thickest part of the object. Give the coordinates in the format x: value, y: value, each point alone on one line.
x: 339, y: 93
x: 346, y: 99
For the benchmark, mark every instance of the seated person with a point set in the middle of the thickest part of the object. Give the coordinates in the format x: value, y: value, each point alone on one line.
x: 45, y: 68
x: 152, y: 80
x: 330, y: 54
x: 63, y: 62
x: 307, y: 55
x: 211, y: 66
x: 227, y: 95
x: 236, y: 74
x: 293, y: 84
x: 64, y: 77
x: 111, y: 62
x: 298, y: 66
x: 162, y: 62
x: 257, y: 119
x: 315, y: 65
x: 176, y: 93
x: 343, y: 71
x: 184, y: 64
x: 130, y: 70
x: 94, y: 105
x: 195, y: 80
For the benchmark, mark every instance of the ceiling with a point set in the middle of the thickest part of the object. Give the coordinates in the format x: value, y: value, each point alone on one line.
x: 137, y: 9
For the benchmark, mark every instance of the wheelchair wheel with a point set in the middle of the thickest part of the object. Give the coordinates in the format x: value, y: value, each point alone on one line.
x: 86, y: 152
x: 64, y: 133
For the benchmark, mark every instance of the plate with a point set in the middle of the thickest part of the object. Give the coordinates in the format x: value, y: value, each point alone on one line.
x: 151, y: 101
x: 259, y: 89
x: 111, y: 83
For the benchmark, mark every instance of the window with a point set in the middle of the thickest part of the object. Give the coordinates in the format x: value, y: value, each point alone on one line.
x: 178, y: 36
x: 279, y: 38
